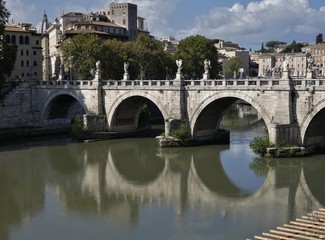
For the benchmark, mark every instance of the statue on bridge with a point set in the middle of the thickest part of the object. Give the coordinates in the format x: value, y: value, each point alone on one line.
x: 207, y: 66
x: 285, y: 63
x: 126, y: 67
x: 126, y: 71
x: 98, y: 66
x: 276, y: 71
x: 179, y: 63
x: 61, y: 74
x: 310, y: 62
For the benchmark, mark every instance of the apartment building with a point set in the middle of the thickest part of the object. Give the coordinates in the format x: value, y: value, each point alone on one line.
x: 228, y: 50
x: 126, y: 15
x: 29, y: 51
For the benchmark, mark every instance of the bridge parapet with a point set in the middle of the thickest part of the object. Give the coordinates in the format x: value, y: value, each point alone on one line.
x: 68, y: 83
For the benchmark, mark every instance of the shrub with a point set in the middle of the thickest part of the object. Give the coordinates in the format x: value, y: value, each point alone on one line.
x: 78, y: 127
x: 181, y: 133
x: 259, y: 145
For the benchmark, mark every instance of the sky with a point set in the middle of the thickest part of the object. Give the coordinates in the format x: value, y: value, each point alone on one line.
x: 246, y: 22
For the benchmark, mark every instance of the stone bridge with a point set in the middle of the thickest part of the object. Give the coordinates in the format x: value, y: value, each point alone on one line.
x: 292, y: 109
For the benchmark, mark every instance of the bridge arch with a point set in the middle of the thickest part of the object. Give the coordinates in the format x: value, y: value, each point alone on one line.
x: 225, y: 99
x: 144, y: 96
x: 65, y: 100
x: 316, y: 116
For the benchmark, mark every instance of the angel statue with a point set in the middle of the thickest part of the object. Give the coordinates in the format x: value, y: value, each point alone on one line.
x: 310, y: 62
x: 207, y: 65
x: 126, y: 67
x: 285, y: 63
x: 98, y: 66
x: 179, y: 63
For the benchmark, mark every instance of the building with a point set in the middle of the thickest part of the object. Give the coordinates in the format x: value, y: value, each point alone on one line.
x: 126, y: 15
x: 119, y: 21
x: 29, y: 51
x: 318, y: 53
x: 43, y: 25
x: 51, y: 42
x: 228, y: 50
x: 170, y: 43
x: 97, y: 24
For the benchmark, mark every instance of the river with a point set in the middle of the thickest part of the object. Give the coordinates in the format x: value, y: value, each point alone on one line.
x: 131, y: 189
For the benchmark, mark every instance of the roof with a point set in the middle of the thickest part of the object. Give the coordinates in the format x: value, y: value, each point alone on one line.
x: 98, y: 23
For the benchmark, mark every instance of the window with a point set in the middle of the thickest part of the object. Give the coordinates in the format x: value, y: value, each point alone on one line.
x: 34, y: 53
x: 27, y: 40
x: 35, y: 63
x: 21, y: 40
x: 22, y: 52
x: 27, y: 53
x: 21, y: 63
x: 112, y: 12
x: 124, y: 21
x: 13, y: 39
x: 7, y: 38
x: 27, y: 63
x: 37, y: 42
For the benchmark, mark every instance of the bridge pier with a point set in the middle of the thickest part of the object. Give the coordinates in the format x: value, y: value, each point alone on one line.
x: 285, y: 134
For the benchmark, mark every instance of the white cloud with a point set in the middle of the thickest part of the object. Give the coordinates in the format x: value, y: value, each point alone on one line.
x: 261, y: 21
x: 157, y: 14
x: 21, y: 11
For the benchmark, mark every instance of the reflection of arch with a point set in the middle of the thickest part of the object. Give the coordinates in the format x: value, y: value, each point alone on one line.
x: 230, y: 95
x: 309, y: 118
x: 65, y: 94
x: 314, y: 173
x: 209, y: 172
x: 131, y: 158
x: 128, y: 95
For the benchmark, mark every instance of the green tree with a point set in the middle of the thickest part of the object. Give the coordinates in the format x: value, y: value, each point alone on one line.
x: 151, y: 58
x: 262, y: 48
x: 293, y: 47
x: 8, y: 52
x: 193, y: 50
x: 115, y: 54
x: 85, y: 49
x: 233, y: 66
x: 319, y: 38
x: 273, y: 44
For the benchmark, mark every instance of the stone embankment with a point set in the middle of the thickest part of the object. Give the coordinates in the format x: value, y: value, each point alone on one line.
x: 286, y: 152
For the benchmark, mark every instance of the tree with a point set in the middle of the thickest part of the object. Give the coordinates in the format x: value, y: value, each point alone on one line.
x: 233, y: 66
x: 262, y: 48
x: 151, y: 58
x: 115, y: 54
x: 8, y: 53
x: 273, y: 44
x: 193, y: 50
x: 319, y: 38
x: 293, y: 47
x: 85, y: 49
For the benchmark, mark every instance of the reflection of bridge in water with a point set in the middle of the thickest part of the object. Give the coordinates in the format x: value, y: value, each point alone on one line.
x: 193, y: 182
x: 117, y: 180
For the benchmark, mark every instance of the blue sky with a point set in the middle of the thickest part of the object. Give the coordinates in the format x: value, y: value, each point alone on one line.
x: 247, y: 22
